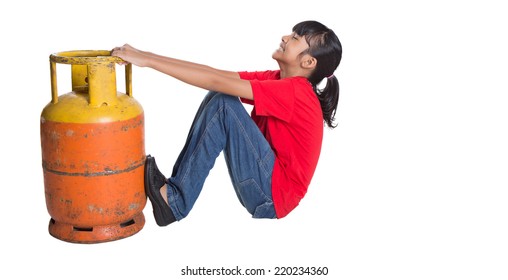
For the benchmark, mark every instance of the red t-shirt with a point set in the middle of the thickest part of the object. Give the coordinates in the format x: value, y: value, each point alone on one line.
x: 288, y: 113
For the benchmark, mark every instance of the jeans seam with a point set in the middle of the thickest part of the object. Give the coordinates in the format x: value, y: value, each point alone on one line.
x: 172, y: 202
x: 259, y: 189
x: 251, y: 145
x: 200, y: 142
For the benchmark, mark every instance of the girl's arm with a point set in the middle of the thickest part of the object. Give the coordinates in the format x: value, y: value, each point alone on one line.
x: 198, y: 75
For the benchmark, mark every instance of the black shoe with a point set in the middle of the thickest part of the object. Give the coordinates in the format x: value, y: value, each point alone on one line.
x: 154, y: 181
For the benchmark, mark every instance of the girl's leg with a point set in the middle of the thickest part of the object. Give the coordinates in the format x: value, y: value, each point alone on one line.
x: 222, y: 124
x: 205, y: 101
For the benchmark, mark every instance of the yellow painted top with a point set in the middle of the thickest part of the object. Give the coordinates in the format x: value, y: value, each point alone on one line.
x: 84, y: 57
x: 74, y: 107
x: 94, y: 97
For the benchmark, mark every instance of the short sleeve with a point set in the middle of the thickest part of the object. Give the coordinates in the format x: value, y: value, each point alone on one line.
x: 274, y: 98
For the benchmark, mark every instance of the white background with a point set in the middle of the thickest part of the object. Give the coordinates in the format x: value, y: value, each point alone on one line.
x: 412, y: 184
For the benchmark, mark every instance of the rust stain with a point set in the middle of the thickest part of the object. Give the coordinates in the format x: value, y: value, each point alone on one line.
x: 86, y: 173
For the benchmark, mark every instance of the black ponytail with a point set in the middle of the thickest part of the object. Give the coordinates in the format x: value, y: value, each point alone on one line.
x: 325, y: 46
x: 329, y: 99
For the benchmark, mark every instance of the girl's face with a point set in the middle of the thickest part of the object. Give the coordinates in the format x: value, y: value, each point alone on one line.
x: 290, y: 48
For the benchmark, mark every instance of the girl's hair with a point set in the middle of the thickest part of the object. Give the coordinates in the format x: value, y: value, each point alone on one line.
x: 326, y: 48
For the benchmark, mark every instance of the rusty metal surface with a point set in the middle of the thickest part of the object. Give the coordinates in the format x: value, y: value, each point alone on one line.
x: 93, y: 173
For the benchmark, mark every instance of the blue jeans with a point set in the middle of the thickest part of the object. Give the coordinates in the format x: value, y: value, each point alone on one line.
x: 223, y: 125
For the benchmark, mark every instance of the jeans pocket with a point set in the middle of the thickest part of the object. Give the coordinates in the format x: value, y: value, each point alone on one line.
x: 255, y: 200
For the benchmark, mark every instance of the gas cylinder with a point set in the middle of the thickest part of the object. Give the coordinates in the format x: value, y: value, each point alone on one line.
x: 93, y: 152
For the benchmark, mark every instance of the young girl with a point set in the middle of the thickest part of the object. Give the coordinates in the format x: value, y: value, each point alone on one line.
x: 272, y: 154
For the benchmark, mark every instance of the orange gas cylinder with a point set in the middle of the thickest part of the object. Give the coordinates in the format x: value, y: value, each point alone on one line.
x: 93, y: 152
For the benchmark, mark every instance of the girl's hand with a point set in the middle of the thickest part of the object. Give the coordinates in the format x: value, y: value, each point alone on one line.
x: 130, y: 55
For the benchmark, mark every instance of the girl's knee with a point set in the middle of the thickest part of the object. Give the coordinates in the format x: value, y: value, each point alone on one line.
x: 222, y: 97
x: 209, y: 96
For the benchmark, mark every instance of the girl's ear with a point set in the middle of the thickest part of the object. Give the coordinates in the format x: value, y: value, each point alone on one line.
x: 308, y: 62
